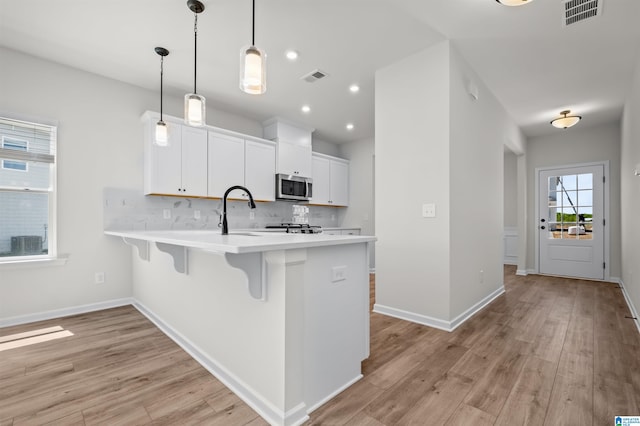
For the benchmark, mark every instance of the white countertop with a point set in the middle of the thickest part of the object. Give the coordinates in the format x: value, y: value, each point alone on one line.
x: 241, y: 241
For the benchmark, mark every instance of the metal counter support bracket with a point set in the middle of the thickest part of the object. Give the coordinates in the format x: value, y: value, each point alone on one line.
x: 179, y: 254
x: 141, y: 245
x: 254, y: 267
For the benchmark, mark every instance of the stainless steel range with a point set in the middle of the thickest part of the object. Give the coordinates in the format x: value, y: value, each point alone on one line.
x: 296, y: 228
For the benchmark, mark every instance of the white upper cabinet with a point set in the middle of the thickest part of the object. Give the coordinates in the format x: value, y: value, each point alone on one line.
x: 330, y: 180
x: 339, y: 183
x: 294, y: 159
x: 234, y: 160
x: 321, y: 180
x: 294, y: 146
x: 260, y: 170
x: 226, y: 163
x: 179, y: 168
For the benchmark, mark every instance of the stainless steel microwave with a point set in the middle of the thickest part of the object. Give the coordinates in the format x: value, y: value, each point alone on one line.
x: 293, y: 188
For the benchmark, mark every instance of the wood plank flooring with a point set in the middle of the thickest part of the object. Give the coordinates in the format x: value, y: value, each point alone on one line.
x: 550, y: 351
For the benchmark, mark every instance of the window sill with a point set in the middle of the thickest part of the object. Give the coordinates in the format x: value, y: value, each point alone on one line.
x: 34, y: 263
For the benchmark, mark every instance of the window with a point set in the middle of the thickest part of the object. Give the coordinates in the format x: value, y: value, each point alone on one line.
x: 18, y: 145
x: 27, y: 190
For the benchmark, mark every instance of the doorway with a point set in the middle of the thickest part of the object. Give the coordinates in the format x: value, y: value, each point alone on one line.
x: 571, y: 221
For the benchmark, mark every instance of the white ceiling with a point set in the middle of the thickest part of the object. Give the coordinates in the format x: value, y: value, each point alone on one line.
x: 534, y: 65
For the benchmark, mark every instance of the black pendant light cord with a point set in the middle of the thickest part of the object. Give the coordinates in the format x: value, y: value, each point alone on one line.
x: 161, y: 82
x: 253, y: 24
x: 195, y: 52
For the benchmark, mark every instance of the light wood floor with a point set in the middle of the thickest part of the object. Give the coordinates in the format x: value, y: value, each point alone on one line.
x: 550, y: 351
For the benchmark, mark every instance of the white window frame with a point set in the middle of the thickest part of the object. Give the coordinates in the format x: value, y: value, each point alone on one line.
x: 51, y: 258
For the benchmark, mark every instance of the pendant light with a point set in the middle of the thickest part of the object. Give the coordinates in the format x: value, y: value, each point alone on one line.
x: 514, y: 2
x: 162, y: 133
x: 253, y: 78
x: 566, y: 120
x: 194, y: 104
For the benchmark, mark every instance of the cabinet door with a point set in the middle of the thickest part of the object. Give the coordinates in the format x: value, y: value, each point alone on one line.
x: 339, y: 183
x: 294, y: 159
x: 194, y: 161
x: 260, y: 170
x: 226, y: 163
x: 321, y: 176
x: 163, y: 174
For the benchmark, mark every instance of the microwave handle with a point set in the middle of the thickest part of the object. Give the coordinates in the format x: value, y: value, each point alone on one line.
x: 309, y: 189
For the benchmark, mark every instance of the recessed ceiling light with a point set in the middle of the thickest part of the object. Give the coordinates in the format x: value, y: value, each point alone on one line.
x: 349, y: 126
x: 291, y: 55
x: 354, y: 88
x: 306, y: 109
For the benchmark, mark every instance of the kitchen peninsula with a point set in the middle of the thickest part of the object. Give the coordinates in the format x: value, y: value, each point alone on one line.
x: 281, y: 319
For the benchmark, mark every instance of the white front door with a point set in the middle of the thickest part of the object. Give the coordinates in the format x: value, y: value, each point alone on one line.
x: 571, y: 221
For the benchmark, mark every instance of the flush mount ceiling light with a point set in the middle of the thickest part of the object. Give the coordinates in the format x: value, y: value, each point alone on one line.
x: 354, y: 88
x: 514, y: 2
x: 306, y: 109
x: 566, y: 120
x: 194, y: 104
x: 349, y: 126
x: 253, y: 72
x: 162, y: 134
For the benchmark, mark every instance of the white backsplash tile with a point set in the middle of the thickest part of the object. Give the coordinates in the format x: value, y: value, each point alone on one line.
x: 128, y: 209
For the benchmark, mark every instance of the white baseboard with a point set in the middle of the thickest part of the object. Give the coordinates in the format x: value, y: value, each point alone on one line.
x: 632, y: 308
x: 65, y: 312
x: 411, y: 316
x: 508, y: 260
x: 436, y: 322
x: 522, y: 272
x: 333, y: 394
x: 460, y: 319
x: 267, y: 411
x: 372, y: 270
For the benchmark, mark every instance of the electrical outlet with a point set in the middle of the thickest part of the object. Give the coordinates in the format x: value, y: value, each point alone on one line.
x: 429, y: 210
x: 338, y: 273
x: 252, y: 215
x: 196, y: 214
x: 166, y: 213
x: 99, y: 277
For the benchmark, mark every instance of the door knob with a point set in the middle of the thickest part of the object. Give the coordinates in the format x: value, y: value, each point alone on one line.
x: 542, y: 227
x: 542, y: 220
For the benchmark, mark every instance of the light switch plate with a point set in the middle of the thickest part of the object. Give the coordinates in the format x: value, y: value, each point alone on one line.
x: 429, y: 210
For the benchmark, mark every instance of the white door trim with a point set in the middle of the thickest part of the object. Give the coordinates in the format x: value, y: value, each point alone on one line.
x: 607, y: 180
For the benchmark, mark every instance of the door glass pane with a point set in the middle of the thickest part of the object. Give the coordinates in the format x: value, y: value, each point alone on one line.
x: 571, y: 206
x: 569, y: 182
x: 585, y: 181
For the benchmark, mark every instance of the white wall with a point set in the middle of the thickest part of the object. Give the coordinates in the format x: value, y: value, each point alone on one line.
x: 478, y: 131
x: 99, y: 145
x: 510, y: 190
x: 436, y: 144
x: 360, y: 213
x: 324, y: 147
x: 412, y: 168
x: 580, y: 144
x: 630, y: 192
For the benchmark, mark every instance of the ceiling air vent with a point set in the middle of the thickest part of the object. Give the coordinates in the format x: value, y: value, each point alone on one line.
x: 314, y: 76
x: 579, y: 10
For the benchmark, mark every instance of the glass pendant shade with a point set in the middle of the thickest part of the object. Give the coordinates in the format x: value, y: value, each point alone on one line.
x: 566, y: 120
x: 514, y: 2
x: 253, y: 71
x: 194, y: 109
x: 162, y: 134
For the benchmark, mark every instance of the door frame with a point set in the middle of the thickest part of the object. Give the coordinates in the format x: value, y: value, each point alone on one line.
x: 606, y: 192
